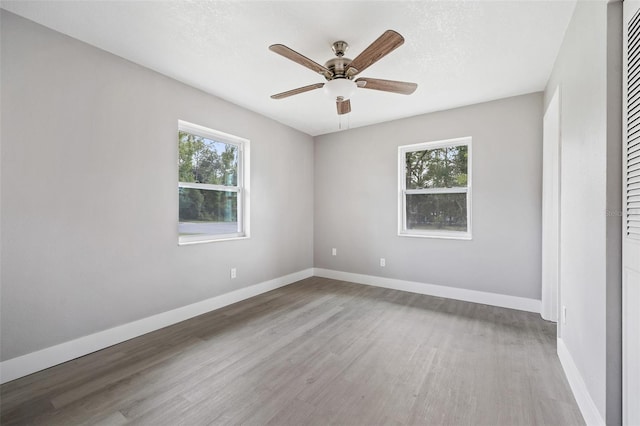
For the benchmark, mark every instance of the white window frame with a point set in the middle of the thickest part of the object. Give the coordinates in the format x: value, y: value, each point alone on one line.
x: 403, y: 191
x: 242, y: 185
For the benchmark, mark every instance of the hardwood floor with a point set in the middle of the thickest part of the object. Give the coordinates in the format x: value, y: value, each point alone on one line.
x: 316, y: 352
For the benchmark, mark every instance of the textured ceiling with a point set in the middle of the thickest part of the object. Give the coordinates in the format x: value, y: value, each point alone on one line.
x: 458, y: 52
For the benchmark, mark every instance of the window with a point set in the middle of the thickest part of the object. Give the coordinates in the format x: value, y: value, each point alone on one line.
x: 435, y: 189
x: 213, y: 185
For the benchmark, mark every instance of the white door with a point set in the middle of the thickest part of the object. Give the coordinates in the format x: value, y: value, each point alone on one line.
x: 631, y: 217
x: 551, y: 209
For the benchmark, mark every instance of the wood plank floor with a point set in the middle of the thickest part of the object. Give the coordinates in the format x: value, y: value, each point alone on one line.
x: 315, y: 352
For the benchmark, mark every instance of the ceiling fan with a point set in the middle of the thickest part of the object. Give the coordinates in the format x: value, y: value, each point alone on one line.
x: 340, y: 71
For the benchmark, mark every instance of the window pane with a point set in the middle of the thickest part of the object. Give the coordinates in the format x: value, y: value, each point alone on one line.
x: 207, y: 212
x: 437, y: 168
x: 202, y: 160
x: 442, y: 212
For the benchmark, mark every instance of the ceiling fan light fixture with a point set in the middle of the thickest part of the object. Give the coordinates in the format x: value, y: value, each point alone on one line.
x: 340, y: 88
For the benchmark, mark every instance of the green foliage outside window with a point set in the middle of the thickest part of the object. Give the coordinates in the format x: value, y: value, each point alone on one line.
x: 201, y: 160
x: 438, y: 168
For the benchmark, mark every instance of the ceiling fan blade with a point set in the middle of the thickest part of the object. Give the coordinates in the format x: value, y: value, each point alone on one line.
x: 401, y: 87
x: 296, y: 91
x: 344, y: 107
x: 385, y: 44
x: 296, y: 57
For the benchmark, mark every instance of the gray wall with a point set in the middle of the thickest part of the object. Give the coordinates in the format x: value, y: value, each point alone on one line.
x: 89, y: 200
x: 588, y: 72
x: 356, y: 187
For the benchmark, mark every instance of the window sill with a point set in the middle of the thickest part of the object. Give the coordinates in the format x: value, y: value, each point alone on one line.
x: 443, y: 235
x: 206, y: 239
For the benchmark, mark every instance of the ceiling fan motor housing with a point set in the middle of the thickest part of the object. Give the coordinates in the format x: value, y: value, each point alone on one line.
x: 338, y: 67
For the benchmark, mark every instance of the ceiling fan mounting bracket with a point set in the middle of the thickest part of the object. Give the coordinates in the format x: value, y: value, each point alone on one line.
x: 339, y: 47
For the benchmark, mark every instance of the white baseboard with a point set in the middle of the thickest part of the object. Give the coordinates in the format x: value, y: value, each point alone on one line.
x: 493, y: 299
x: 35, y: 361
x: 587, y: 407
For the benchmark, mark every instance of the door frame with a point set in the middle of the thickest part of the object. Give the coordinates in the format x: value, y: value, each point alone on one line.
x: 551, y: 192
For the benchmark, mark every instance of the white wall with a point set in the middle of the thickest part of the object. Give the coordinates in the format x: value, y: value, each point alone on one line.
x: 89, y: 200
x: 356, y: 182
x: 588, y: 72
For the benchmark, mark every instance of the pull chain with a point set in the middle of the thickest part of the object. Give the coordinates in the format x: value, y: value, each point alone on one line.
x: 348, y: 121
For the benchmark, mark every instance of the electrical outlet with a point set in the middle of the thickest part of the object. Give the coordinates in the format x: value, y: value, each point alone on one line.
x: 334, y: 252
x: 564, y: 314
x: 383, y: 262
x: 233, y: 273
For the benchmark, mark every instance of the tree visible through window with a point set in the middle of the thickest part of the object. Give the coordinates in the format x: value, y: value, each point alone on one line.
x: 435, y: 189
x: 210, y: 188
